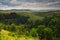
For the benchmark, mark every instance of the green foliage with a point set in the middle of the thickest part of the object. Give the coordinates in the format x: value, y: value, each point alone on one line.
x: 42, y: 25
x: 33, y: 32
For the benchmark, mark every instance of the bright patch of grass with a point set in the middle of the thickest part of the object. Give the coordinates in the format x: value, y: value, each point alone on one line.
x: 4, y: 36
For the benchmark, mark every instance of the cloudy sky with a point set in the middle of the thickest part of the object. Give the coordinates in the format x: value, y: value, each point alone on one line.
x: 29, y: 4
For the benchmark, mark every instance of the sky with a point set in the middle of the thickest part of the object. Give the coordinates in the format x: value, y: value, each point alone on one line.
x: 29, y: 4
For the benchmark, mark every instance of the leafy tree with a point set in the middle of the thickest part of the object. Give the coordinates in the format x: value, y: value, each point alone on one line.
x: 33, y: 32
x: 48, y: 33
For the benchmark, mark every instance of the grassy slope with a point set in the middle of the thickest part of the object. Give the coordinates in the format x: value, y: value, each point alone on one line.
x: 4, y: 35
x: 31, y: 14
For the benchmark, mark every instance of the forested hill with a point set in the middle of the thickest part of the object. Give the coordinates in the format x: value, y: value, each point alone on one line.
x: 30, y: 24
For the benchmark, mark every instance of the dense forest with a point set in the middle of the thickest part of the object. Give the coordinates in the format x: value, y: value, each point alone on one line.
x: 37, y: 25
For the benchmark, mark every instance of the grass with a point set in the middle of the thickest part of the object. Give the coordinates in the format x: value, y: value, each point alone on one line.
x: 4, y: 36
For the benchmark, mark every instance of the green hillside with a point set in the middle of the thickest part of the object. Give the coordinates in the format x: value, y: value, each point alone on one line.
x: 29, y: 25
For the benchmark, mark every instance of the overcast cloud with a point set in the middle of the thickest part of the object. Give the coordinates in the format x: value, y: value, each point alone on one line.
x: 29, y: 4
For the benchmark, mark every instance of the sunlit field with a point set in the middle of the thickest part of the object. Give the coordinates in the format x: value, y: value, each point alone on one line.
x: 6, y: 35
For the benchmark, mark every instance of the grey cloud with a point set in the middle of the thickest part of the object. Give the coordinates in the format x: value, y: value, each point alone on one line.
x: 38, y: 0
x: 56, y: 4
x: 7, y: 2
x: 29, y: 3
